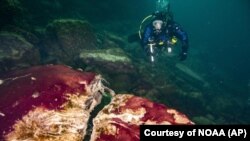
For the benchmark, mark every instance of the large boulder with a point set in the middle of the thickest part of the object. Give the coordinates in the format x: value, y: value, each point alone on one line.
x: 16, y: 52
x: 29, y: 35
x: 121, y: 119
x: 65, y: 38
x: 112, y: 59
x: 47, y: 103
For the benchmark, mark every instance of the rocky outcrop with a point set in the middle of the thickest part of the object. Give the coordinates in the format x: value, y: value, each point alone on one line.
x: 188, y: 72
x: 121, y: 119
x: 47, y: 103
x: 66, y: 38
x: 27, y: 35
x: 16, y: 52
x: 112, y: 59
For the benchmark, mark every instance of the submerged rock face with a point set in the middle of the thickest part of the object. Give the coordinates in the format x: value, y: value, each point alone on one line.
x: 66, y: 38
x: 112, y: 59
x: 16, y: 52
x: 47, y: 103
x: 120, y: 119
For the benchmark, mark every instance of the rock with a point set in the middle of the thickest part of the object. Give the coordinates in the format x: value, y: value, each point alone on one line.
x: 66, y: 38
x: 16, y: 52
x: 120, y: 119
x: 112, y: 59
x: 192, y: 76
x: 115, y: 38
x: 47, y: 103
x: 27, y: 35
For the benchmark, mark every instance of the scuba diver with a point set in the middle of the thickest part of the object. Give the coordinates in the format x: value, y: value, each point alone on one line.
x: 162, y: 32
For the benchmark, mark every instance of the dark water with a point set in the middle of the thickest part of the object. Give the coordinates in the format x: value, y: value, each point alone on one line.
x: 219, y: 34
x: 220, y: 29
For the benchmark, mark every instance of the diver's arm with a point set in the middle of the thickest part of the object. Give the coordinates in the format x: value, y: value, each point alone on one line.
x: 181, y: 35
x: 146, y: 36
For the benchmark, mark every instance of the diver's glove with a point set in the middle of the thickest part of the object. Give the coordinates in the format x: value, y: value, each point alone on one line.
x: 183, y: 56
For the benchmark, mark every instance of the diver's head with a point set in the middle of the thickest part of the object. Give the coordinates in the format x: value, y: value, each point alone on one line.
x: 157, y: 25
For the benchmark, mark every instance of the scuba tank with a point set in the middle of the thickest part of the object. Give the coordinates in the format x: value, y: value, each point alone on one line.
x: 162, y: 5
